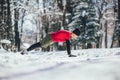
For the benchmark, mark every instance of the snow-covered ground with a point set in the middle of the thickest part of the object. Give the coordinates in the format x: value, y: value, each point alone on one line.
x: 91, y: 64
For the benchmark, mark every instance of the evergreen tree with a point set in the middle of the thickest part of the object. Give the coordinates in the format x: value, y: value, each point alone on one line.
x: 85, y: 19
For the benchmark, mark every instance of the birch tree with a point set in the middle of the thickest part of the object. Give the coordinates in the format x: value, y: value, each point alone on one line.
x: 107, y: 17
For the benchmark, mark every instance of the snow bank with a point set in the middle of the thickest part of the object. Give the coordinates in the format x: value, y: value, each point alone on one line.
x: 91, y: 64
x: 5, y: 41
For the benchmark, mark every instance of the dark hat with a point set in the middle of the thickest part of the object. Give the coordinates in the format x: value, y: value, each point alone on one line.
x: 76, y: 31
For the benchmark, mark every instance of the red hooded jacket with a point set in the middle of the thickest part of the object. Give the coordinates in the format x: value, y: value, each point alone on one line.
x: 61, y: 36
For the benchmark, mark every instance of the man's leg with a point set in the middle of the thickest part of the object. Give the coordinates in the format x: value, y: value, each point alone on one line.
x: 44, y: 43
x: 36, y: 45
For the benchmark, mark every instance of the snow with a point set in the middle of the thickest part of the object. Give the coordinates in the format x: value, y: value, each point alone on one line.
x: 77, y: 16
x: 84, y: 13
x: 5, y: 41
x: 92, y: 23
x: 91, y: 64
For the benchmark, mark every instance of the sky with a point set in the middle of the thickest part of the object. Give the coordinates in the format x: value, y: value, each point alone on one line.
x: 90, y: 64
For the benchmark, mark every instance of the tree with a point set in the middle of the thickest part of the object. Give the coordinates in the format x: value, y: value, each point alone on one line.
x: 119, y: 9
x: 117, y: 31
x: 85, y: 19
x: 5, y: 21
x: 16, y: 16
x: 106, y: 13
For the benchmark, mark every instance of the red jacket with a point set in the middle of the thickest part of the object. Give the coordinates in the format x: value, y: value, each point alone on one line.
x: 61, y: 36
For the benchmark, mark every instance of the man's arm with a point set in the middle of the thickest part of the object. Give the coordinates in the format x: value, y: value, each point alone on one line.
x: 68, y: 47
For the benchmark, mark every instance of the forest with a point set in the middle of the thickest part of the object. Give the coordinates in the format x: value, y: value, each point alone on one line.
x: 98, y: 21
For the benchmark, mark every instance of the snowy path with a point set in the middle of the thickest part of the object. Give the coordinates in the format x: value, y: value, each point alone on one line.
x: 95, y: 64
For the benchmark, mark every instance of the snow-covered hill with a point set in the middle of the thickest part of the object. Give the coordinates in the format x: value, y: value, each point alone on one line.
x: 91, y: 64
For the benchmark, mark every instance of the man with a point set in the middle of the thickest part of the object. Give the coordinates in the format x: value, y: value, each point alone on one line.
x: 58, y: 36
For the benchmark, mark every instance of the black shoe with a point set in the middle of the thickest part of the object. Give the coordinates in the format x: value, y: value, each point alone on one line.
x: 72, y: 55
x: 24, y: 52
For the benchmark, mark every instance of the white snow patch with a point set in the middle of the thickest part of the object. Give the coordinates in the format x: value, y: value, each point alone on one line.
x: 5, y: 41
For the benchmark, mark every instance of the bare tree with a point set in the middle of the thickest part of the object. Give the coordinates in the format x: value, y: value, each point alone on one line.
x: 17, y: 38
x: 5, y: 21
x: 107, y: 20
x: 119, y: 9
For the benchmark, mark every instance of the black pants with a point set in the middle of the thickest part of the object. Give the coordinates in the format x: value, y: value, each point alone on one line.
x: 44, y: 43
x: 36, y: 45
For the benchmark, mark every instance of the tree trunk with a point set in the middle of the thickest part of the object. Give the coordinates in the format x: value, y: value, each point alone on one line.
x: 64, y: 18
x: 119, y: 19
x: 89, y: 45
x: 1, y: 19
x: 17, y: 39
x: 119, y: 10
x: 112, y: 44
x: 9, y: 29
x: 5, y: 20
x: 106, y: 34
